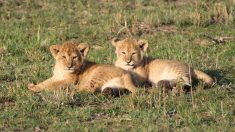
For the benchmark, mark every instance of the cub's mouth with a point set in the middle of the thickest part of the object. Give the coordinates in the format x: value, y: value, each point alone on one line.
x: 70, y: 69
x: 130, y: 64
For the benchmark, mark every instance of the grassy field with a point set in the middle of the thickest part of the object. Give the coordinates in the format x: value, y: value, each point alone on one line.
x: 198, y: 32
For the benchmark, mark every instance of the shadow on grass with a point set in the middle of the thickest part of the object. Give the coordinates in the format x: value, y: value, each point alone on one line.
x: 88, y: 99
x: 6, y: 101
x: 221, y: 76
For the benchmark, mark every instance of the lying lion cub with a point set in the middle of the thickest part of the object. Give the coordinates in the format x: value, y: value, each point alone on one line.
x: 71, y: 67
x: 167, y: 73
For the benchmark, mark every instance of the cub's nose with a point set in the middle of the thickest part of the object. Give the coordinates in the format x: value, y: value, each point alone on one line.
x: 128, y: 61
x: 69, y: 66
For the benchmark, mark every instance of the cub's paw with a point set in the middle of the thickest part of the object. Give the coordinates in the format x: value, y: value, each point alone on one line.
x: 33, y: 87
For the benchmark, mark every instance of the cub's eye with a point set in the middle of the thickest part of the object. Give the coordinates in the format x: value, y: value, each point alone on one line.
x: 64, y: 57
x: 124, y: 53
x: 75, y: 57
x: 133, y: 53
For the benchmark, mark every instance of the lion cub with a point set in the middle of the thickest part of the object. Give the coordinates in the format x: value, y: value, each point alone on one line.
x: 71, y: 67
x: 167, y: 73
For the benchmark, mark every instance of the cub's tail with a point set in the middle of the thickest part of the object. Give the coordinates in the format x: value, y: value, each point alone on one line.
x: 203, y: 76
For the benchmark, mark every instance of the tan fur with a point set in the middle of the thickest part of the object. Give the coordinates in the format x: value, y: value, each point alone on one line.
x: 97, y: 77
x: 71, y: 67
x: 130, y: 56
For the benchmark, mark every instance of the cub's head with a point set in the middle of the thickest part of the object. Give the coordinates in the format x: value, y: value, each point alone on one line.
x: 69, y: 56
x: 129, y: 52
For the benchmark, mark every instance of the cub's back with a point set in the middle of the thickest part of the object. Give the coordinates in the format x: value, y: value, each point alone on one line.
x: 99, y: 76
x: 102, y: 73
x: 106, y: 71
x: 167, y: 69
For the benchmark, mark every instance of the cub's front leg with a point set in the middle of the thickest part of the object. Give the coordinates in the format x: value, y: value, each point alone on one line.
x: 88, y: 86
x: 128, y: 83
x: 49, y: 84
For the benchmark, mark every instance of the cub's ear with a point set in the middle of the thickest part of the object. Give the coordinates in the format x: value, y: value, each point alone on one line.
x: 55, y: 49
x: 143, y: 44
x: 83, y: 48
x: 114, y: 41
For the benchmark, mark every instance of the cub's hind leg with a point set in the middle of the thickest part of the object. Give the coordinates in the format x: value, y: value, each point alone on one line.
x: 168, y: 84
x: 119, y: 86
x: 114, y: 87
x: 88, y: 86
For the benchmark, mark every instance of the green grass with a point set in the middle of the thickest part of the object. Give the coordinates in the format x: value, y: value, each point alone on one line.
x: 175, y: 29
